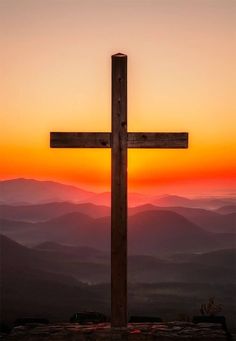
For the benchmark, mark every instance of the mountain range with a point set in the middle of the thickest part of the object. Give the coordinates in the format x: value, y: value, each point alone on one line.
x: 55, y: 251
x: 53, y: 280
x: 25, y: 191
x: 149, y: 232
x: 30, y: 191
x: 69, y: 264
x: 221, y: 220
x: 34, y: 283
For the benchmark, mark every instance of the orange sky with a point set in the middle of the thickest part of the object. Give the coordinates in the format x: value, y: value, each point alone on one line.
x: 56, y: 77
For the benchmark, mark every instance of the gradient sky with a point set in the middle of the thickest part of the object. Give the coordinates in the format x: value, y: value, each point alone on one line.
x: 55, y: 76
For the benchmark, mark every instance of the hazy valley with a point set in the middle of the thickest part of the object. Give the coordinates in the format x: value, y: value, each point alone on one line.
x: 55, y: 252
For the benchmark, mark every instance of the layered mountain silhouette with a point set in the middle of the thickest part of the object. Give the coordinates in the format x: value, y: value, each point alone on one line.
x: 207, y: 219
x: 35, y: 283
x: 167, y: 231
x: 42, y: 212
x: 52, y: 280
x: 227, y: 209
x: 71, y: 265
x: 150, y: 232
x: 30, y: 191
x: 55, y: 251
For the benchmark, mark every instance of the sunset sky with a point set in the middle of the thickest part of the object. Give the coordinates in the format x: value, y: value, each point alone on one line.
x: 56, y: 76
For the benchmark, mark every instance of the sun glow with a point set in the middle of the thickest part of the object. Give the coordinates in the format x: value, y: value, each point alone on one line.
x: 56, y: 77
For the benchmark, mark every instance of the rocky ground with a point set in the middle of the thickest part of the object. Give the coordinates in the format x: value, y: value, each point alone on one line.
x: 136, y: 331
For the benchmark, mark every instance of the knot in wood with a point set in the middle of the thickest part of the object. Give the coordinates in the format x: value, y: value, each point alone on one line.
x: 103, y: 143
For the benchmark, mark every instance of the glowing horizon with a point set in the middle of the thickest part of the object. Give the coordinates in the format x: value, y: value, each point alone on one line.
x: 56, y: 77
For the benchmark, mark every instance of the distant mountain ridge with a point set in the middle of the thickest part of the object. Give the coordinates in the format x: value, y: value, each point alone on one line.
x: 29, y: 191
x: 48, y: 257
x: 149, y: 232
x: 211, y: 220
x: 208, y: 219
x: 150, y: 227
x: 17, y: 191
x: 56, y: 281
x: 38, y: 283
x: 227, y: 209
x: 55, y: 250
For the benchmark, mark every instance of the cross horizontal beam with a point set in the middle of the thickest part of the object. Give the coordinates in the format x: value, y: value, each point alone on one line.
x: 157, y: 140
x: 103, y: 140
x: 80, y: 140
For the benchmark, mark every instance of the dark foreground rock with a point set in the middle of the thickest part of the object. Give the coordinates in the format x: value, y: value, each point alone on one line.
x: 136, y: 331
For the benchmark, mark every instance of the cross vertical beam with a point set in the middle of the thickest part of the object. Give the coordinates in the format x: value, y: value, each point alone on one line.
x: 119, y: 192
x: 119, y: 140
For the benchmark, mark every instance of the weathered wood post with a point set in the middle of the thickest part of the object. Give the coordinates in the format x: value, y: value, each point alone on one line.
x: 119, y: 192
x: 118, y: 140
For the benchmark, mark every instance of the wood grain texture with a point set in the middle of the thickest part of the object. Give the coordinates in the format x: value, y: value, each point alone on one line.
x: 104, y: 140
x: 119, y: 193
x: 157, y: 140
x: 80, y: 140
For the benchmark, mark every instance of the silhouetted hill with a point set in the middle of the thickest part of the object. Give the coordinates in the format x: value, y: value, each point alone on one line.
x: 20, y: 259
x: 67, y: 267
x: 204, y: 202
x: 70, y: 265
x: 73, y: 228
x: 41, y: 283
x: 48, y: 211
x: 172, y: 200
x: 165, y: 231
x: 209, y: 220
x: 134, y: 199
x: 12, y: 252
x: 12, y: 226
x: 221, y: 257
x: 214, y: 203
x: 227, y: 209
x: 30, y: 191
x: 84, y: 253
x: 225, y: 257
x: 77, y: 228
x: 143, y: 208
x: 28, y: 289
x: 149, y: 232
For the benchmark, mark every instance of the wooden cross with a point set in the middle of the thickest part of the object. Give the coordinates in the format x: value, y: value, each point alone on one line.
x: 118, y: 140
